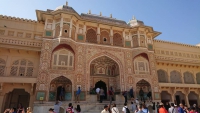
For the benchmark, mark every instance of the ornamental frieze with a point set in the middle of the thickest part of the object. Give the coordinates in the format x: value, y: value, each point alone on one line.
x: 176, y: 59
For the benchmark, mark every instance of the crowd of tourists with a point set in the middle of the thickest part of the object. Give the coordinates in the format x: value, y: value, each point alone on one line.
x: 20, y: 109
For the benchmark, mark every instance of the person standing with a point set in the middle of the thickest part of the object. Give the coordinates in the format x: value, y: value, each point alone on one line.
x: 57, y: 106
x: 125, y: 96
x: 78, y: 109
x: 97, y: 91
x: 125, y: 109
x: 133, y: 106
x: 62, y: 93
x: 105, y: 110
x: 78, y: 92
x: 162, y: 109
x: 172, y: 109
x: 70, y: 108
x: 180, y: 109
x: 141, y: 93
x: 101, y: 93
x: 114, y: 109
x: 131, y: 93
x: 111, y: 94
x: 20, y: 108
x: 139, y: 109
x: 149, y: 96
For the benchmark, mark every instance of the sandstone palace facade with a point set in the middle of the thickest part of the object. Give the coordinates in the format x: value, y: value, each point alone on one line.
x: 63, y: 48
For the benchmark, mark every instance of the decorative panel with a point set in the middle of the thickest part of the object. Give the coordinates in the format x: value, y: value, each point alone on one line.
x: 48, y: 33
x: 40, y: 95
x: 52, y: 96
x: 2, y: 32
x: 68, y: 96
x: 80, y: 37
x: 128, y: 43
x: 150, y: 47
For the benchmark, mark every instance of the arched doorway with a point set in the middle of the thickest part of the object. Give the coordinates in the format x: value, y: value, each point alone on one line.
x: 165, y: 97
x: 15, y: 97
x: 179, y: 98
x: 193, y: 98
x: 105, y: 69
x: 145, y: 86
x: 56, y: 86
x: 101, y: 84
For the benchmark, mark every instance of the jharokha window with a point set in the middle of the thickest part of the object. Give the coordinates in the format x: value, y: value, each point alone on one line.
x: 63, y: 59
x: 22, y: 68
x: 141, y: 65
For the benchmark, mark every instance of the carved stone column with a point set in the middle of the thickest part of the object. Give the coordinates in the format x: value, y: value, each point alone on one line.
x: 61, y: 26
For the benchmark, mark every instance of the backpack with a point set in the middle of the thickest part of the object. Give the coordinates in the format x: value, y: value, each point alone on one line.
x: 127, y: 110
x: 69, y: 110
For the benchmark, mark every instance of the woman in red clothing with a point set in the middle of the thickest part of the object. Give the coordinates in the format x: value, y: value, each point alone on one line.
x: 162, y: 109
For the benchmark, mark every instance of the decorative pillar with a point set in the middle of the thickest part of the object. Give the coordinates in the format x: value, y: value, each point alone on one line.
x: 131, y: 38
x: 145, y: 42
x: 77, y: 30
x: 45, y: 26
x: 168, y: 76
x: 182, y: 77
x: 187, y: 100
x: 53, y: 28
x: 70, y: 28
x: 84, y: 31
x: 123, y: 37
x: 61, y: 26
x: 111, y: 36
x: 138, y: 34
x: 98, y: 35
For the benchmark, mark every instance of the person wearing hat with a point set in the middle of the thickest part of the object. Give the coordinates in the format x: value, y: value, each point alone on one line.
x: 162, y: 109
x: 172, y: 109
x: 105, y: 110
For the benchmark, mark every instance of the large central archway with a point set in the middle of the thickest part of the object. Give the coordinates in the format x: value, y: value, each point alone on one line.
x: 56, y: 87
x: 145, y: 86
x: 105, y: 69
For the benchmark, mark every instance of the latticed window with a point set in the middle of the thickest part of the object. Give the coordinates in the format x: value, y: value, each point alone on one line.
x: 2, y: 66
x: 63, y: 59
x: 188, y: 78
x: 22, y: 68
x: 175, y: 77
x: 162, y: 76
x: 141, y: 65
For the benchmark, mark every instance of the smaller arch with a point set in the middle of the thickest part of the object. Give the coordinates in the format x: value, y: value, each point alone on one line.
x: 143, y: 85
x: 91, y: 36
x: 61, y: 46
x: 105, y: 35
x: 162, y: 76
x: 175, y: 77
x: 57, y: 31
x: 198, y: 77
x: 55, y: 88
x: 193, y: 98
x: 66, y: 30
x: 63, y: 59
x: 188, y: 77
x: 141, y: 64
x: 117, y: 39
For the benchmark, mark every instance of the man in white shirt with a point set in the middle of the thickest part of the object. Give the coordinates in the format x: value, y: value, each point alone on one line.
x: 97, y: 91
x: 124, y: 108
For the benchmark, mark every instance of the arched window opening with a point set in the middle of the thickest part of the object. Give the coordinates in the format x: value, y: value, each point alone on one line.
x: 117, y: 39
x: 91, y: 36
x: 63, y: 59
x: 22, y: 68
x: 162, y: 76
x: 188, y: 78
x: 175, y: 77
x: 141, y: 65
x: 198, y: 78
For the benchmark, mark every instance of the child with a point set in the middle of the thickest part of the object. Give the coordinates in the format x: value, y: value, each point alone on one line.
x: 133, y: 106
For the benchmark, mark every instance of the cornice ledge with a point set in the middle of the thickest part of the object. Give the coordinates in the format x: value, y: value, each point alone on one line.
x: 187, y: 45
